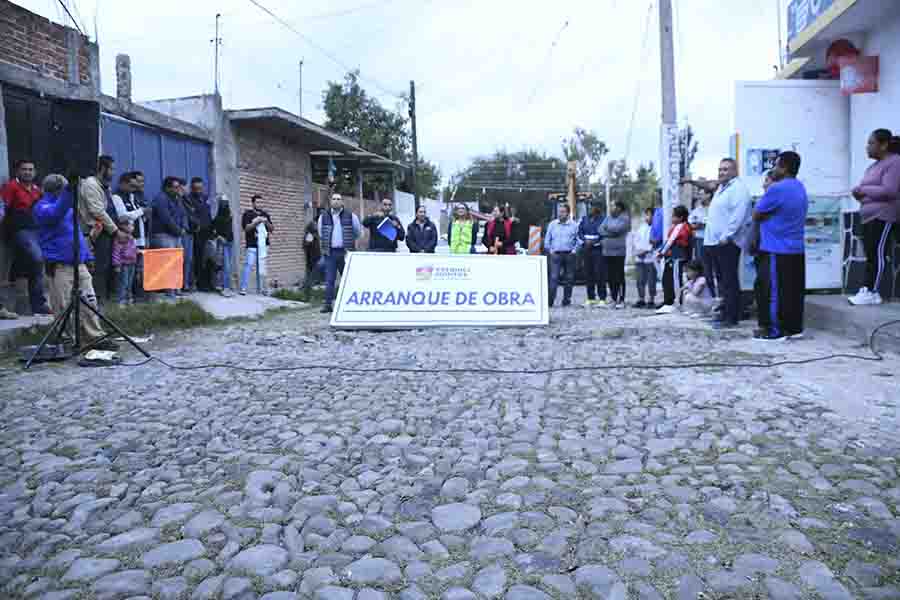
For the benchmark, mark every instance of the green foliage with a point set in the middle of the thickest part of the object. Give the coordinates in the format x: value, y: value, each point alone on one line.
x: 350, y: 111
x: 587, y: 150
x: 637, y: 190
x: 687, y: 150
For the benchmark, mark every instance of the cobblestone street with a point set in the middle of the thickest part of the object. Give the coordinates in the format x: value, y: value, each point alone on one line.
x: 332, y: 485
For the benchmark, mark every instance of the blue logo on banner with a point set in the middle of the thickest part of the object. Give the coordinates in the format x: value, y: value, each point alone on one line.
x: 803, y: 13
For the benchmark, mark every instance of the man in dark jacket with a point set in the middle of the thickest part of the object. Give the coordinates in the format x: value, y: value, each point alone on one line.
x: 592, y: 254
x: 313, y: 251
x: 53, y: 215
x: 201, y: 221
x: 378, y: 241
x: 421, y: 237
x: 168, y: 221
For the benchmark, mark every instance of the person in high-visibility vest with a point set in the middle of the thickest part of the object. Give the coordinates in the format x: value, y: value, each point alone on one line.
x: 462, y: 231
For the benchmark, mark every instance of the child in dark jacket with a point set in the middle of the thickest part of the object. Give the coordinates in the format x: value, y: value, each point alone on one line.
x: 676, y: 252
x: 124, y: 259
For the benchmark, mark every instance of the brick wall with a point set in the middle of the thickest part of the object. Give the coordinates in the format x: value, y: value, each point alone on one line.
x: 276, y: 168
x: 283, y: 200
x: 30, y: 41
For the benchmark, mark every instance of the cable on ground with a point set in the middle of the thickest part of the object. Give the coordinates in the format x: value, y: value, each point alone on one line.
x: 875, y: 357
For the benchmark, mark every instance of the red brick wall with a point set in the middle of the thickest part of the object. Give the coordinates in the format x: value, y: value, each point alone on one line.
x: 30, y: 41
x: 283, y: 200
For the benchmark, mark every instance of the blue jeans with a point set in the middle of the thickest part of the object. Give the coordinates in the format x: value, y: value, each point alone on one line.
x: 226, y: 265
x: 251, y: 261
x: 334, y: 263
x: 595, y: 273
x: 187, y: 242
x: 28, y: 245
x: 562, y: 270
x: 125, y: 280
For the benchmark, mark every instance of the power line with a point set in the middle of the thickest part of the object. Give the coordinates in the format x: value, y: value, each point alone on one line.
x: 637, y: 91
x: 68, y: 12
x: 347, y: 11
x: 537, y: 80
x: 325, y: 51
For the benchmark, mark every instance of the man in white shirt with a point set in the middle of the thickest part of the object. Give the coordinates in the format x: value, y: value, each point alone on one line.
x: 728, y: 225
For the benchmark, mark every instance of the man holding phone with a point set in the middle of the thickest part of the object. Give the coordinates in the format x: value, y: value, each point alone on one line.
x: 257, y: 225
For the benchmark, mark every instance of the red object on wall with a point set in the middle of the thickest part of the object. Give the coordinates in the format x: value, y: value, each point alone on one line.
x: 840, y: 52
x: 860, y: 76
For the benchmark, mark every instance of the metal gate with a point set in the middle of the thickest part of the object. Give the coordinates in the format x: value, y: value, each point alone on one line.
x: 157, y: 153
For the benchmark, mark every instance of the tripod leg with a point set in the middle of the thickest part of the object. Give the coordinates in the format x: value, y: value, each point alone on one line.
x: 114, y: 327
x: 56, y: 326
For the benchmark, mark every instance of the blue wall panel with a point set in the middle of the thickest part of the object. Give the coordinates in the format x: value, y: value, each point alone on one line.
x: 158, y: 154
x: 117, y: 142
x: 148, y: 158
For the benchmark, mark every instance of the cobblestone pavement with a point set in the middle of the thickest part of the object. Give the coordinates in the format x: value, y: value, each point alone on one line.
x: 707, y: 483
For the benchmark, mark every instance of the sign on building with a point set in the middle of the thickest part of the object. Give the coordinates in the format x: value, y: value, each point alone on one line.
x: 803, y: 13
x: 381, y: 290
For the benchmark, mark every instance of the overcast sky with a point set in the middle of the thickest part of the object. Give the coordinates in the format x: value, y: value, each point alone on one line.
x: 489, y: 74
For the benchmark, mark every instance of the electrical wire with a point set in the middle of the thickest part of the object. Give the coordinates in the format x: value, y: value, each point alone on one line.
x: 637, y: 91
x: 539, y: 80
x: 325, y: 51
x: 68, y: 12
x: 875, y: 357
x: 347, y: 11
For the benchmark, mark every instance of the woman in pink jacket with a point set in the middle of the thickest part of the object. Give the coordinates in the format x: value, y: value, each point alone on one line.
x: 878, y: 194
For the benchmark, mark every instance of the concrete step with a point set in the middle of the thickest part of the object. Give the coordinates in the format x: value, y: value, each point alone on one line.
x: 836, y: 315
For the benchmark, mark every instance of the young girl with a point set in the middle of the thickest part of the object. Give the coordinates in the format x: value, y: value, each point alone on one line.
x: 645, y: 263
x: 696, y: 297
x: 124, y: 258
x: 676, y: 252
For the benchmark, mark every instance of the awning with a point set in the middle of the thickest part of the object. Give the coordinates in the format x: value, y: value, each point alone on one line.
x: 320, y: 141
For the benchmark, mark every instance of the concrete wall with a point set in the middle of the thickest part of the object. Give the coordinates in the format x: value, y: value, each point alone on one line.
x: 872, y: 111
x: 278, y: 169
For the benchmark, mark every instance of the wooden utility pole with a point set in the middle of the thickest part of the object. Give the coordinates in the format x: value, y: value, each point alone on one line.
x: 669, y: 151
x: 415, y: 142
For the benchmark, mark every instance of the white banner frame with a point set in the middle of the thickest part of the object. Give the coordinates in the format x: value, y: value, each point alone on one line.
x: 444, y: 279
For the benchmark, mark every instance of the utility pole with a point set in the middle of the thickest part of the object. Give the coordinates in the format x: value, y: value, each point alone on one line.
x: 216, y: 43
x: 415, y: 141
x: 780, y: 39
x: 300, y: 92
x: 669, y: 162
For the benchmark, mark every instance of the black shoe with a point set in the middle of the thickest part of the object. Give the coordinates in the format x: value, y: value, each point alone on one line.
x: 639, y: 304
x: 326, y: 309
x: 44, y: 310
x: 566, y: 303
x: 107, y: 345
x: 762, y: 336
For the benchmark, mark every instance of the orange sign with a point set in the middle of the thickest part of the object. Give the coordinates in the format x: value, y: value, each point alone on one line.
x: 534, y: 240
x: 163, y: 269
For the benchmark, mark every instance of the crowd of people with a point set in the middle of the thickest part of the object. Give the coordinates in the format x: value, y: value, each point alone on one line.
x: 115, y: 225
x: 697, y: 259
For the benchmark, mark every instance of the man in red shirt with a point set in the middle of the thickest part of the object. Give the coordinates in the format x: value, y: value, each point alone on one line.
x: 20, y: 194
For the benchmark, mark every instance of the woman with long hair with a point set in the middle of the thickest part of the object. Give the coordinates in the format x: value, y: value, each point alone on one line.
x: 462, y: 231
x: 878, y: 194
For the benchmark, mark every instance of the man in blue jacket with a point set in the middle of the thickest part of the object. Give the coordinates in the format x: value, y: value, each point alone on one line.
x: 378, y: 242
x: 53, y: 214
x: 594, y: 265
x: 169, y: 221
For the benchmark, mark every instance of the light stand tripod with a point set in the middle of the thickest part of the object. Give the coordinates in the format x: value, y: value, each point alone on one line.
x: 73, y: 309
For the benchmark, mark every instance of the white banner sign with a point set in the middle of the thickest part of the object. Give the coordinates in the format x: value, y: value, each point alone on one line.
x: 382, y: 290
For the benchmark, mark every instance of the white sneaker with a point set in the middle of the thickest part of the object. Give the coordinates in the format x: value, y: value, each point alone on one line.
x: 620, y: 305
x: 865, y: 297
x: 667, y: 309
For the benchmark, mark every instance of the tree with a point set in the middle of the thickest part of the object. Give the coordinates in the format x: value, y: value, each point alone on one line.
x: 587, y: 150
x: 637, y: 191
x: 522, y: 179
x: 428, y: 179
x: 353, y: 113
x: 687, y: 150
